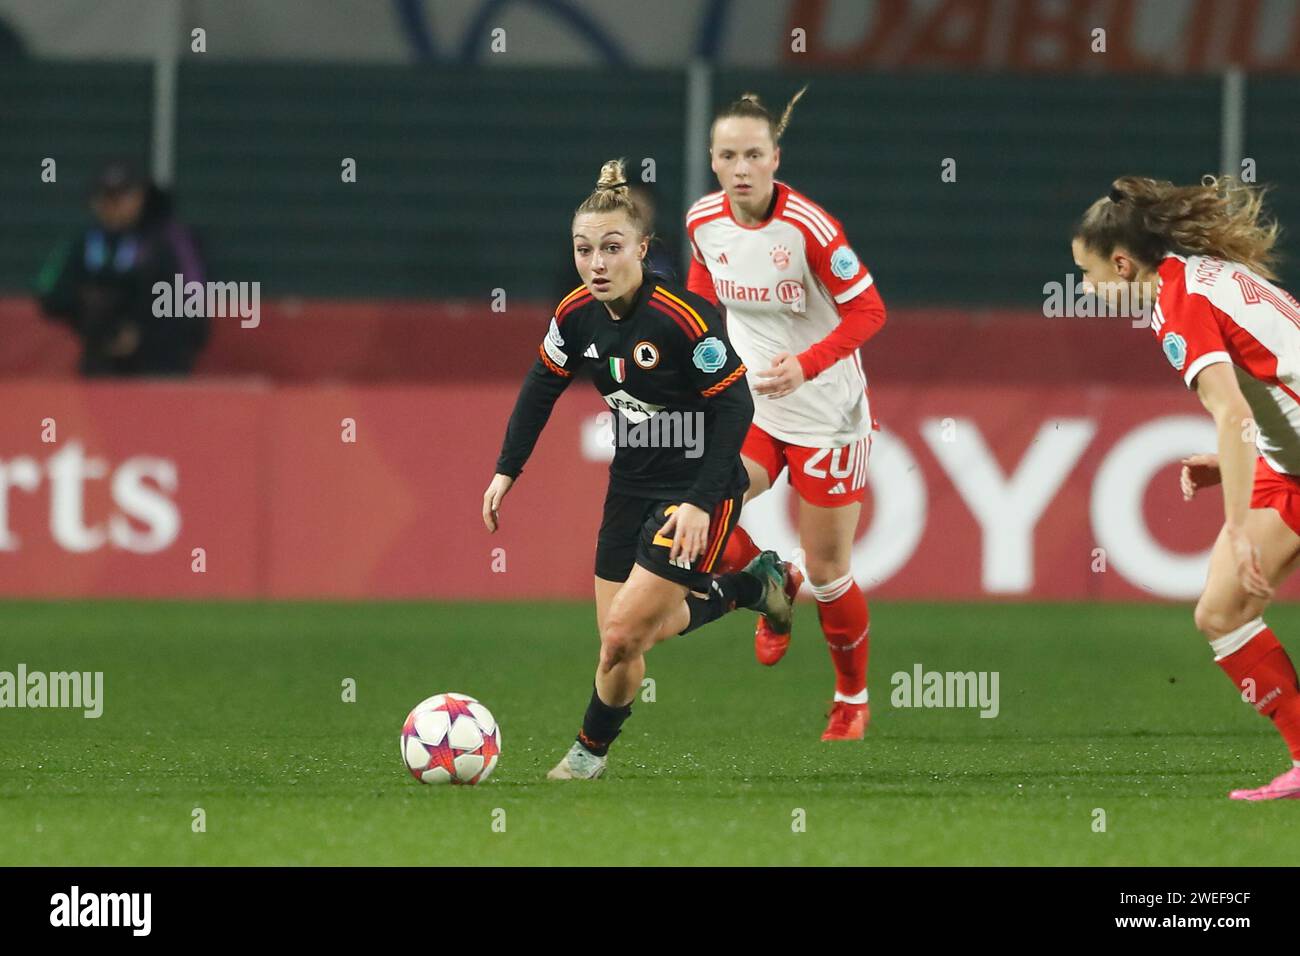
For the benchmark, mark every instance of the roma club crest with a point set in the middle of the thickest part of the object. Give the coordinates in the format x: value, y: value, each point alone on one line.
x: 645, y: 355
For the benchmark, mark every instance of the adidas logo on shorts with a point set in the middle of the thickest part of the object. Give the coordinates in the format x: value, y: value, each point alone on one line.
x: 838, y: 489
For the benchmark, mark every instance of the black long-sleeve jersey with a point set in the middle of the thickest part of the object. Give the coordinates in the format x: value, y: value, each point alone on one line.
x: 676, y: 386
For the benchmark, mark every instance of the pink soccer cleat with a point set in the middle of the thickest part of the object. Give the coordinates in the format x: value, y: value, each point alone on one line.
x: 1285, y: 787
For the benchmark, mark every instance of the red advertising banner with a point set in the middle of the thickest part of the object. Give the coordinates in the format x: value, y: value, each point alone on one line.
x: 107, y: 489
x: 202, y: 490
x: 313, y: 340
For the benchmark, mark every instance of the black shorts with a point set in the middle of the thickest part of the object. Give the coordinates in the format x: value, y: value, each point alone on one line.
x: 629, y: 534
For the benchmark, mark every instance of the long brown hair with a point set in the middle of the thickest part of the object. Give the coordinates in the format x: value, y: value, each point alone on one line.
x: 1221, y: 217
x: 749, y: 105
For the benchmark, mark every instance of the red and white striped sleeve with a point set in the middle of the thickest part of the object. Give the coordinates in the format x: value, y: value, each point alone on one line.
x: 1191, y: 329
x: 698, y: 278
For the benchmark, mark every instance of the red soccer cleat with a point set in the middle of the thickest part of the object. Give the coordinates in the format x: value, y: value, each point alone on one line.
x: 848, y: 721
x: 769, y: 646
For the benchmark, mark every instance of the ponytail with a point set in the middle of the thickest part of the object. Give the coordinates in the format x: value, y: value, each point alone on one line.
x: 1220, y: 217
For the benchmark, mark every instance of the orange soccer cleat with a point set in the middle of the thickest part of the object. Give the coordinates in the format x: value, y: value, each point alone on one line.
x: 770, y: 646
x: 848, y: 721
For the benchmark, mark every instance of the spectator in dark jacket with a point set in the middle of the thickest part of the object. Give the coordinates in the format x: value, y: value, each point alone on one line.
x: 101, y: 283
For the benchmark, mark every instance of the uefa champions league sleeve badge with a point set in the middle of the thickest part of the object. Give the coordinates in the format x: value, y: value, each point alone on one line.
x: 1175, y: 347
x: 709, y: 355
x: 844, y: 263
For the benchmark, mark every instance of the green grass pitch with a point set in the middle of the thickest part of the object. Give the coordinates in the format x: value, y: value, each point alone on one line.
x: 237, y: 709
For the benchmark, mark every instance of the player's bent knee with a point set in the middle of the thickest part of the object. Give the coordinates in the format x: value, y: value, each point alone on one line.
x: 1214, y: 620
x: 824, y: 570
x: 620, y: 641
x: 1206, y: 619
x: 613, y: 651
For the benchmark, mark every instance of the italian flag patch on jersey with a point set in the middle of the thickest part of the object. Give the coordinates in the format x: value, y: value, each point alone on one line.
x: 618, y: 369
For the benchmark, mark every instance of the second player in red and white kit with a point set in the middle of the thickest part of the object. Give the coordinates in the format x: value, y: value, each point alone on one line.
x: 799, y: 305
x: 1200, y: 256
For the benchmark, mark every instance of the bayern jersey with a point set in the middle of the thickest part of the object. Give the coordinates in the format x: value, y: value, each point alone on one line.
x: 1210, y: 311
x: 781, y: 282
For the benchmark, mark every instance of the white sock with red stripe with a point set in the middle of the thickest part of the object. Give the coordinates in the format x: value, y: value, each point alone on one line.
x: 842, y: 610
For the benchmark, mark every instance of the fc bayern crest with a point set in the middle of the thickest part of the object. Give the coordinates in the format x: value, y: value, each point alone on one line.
x: 618, y: 369
x: 781, y: 257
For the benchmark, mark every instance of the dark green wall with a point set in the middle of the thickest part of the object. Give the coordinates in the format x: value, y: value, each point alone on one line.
x: 466, y: 180
x: 79, y: 114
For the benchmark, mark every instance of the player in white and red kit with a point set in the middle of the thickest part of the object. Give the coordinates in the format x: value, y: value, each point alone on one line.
x: 799, y: 305
x: 1200, y: 256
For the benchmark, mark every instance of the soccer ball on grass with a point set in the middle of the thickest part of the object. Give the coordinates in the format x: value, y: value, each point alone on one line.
x: 450, y: 738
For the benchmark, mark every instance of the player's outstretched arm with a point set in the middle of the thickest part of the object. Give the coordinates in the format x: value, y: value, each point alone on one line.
x: 532, y: 410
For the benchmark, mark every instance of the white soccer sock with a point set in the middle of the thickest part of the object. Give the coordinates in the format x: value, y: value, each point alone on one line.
x: 1234, y: 641
x: 833, y: 589
x: 854, y: 699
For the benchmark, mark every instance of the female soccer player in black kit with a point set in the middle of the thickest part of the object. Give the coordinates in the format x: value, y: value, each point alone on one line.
x: 660, y: 357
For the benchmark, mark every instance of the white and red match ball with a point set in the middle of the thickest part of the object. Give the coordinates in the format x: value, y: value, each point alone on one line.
x: 450, y: 738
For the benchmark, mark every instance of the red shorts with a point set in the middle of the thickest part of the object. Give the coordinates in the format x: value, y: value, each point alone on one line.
x: 826, y: 477
x: 1277, y: 491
